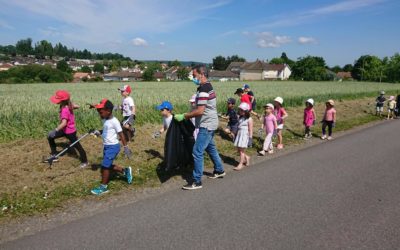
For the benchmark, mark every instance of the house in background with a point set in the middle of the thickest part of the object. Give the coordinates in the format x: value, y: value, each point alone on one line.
x: 344, y: 76
x: 259, y: 70
x: 172, y: 73
x: 5, y: 66
x: 223, y: 75
x: 123, y: 76
x: 78, y: 76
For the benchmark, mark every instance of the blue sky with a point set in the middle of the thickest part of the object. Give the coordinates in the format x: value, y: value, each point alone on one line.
x: 339, y: 31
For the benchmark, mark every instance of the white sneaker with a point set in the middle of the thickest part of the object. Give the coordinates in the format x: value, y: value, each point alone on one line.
x: 323, y: 137
x: 330, y: 138
x: 262, y: 152
x: 84, y: 165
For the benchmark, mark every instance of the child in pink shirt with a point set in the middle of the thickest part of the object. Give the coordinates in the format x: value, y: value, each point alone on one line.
x: 309, y: 118
x: 66, y: 127
x: 329, y: 120
x: 281, y: 115
x: 270, y: 125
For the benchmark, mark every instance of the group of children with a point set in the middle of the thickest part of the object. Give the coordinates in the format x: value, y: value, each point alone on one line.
x: 239, y: 127
x: 112, y: 133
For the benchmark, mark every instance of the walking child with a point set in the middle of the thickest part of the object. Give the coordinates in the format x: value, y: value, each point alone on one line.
x: 281, y: 115
x: 244, y: 136
x: 253, y: 101
x: 232, y: 117
x: 269, y: 125
x: 244, y: 98
x: 329, y: 120
x: 391, y: 108
x: 128, y: 112
x: 309, y: 118
x: 66, y: 127
x: 165, y: 109
x: 380, y: 101
x: 111, y: 131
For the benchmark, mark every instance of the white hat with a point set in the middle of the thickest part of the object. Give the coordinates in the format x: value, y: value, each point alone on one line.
x: 193, y: 98
x: 244, y: 106
x: 331, y: 102
x: 279, y: 99
x: 269, y: 105
x: 382, y: 92
x: 310, y: 101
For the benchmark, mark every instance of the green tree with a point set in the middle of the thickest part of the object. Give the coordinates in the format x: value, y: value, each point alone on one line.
x: 219, y: 63
x: 175, y: 63
x: 183, y: 73
x: 43, y: 49
x: 287, y: 60
x: 86, y: 69
x: 348, y: 68
x: 98, y: 67
x: 310, y: 68
x: 63, y: 66
x: 368, y: 68
x: 24, y: 47
x: 148, y: 74
x: 336, y: 68
x: 392, y: 70
x: 277, y: 60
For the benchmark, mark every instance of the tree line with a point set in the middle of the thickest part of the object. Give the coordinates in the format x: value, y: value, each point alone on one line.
x: 44, y: 49
x: 313, y: 68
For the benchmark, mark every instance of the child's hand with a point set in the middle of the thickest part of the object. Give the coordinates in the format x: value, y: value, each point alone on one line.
x: 94, y: 132
x: 91, y: 106
x: 127, y: 152
x: 260, y: 132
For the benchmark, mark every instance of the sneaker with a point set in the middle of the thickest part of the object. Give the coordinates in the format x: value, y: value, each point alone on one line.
x: 99, y: 190
x: 329, y: 138
x: 192, y: 186
x: 51, y: 156
x: 270, y: 151
x: 323, y: 137
x: 262, y: 152
x: 128, y: 174
x: 84, y: 165
x: 280, y: 146
x: 216, y: 175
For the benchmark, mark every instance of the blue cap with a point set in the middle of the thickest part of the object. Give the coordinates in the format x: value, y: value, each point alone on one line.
x: 165, y: 105
x: 246, y: 86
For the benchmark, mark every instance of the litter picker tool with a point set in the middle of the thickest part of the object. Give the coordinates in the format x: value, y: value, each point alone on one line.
x: 52, y: 158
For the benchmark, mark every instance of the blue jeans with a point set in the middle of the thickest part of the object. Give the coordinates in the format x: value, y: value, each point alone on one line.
x: 205, y: 143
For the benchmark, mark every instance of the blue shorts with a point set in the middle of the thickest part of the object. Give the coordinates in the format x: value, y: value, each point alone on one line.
x: 110, y: 152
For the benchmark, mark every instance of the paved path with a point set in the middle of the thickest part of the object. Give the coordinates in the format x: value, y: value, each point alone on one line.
x: 343, y: 194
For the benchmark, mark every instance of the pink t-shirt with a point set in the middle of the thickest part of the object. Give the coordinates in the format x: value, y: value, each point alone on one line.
x: 329, y: 113
x: 269, y: 123
x: 308, y: 117
x: 279, y: 114
x: 66, y: 114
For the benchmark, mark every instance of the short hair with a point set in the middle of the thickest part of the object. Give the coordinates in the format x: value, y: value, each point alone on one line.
x: 201, y: 69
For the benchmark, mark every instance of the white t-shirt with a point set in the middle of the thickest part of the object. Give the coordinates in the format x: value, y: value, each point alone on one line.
x: 111, y: 128
x: 167, y: 122
x: 127, y: 104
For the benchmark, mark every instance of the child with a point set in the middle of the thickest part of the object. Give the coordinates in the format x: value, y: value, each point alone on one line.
x: 128, y: 112
x: 280, y: 115
x: 309, y: 118
x: 232, y: 117
x: 247, y: 90
x: 111, y: 130
x: 391, y: 106
x: 380, y: 101
x: 269, y: 125
x: 244, y: 98
x: 165, y: 109
x: 66, y: 127
x: 193, y: 106
x: 244, y: 135
x: 329, y: 120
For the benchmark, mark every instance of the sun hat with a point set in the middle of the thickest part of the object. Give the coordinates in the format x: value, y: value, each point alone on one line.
x: 246, y: 86
x: 105, y: 104
x: 239, y: 90
x: 59, y: 96
x: 391, y: 98
x: 165, y: 105
x: 382, y: 92
x: 310, y: 101
x: 232, y: 100
x: 279, y: 100
x: 126, y: 88
x: 244, y: 106
x: 331, y: 102
x: 269, y: 105
x: 193, y: 98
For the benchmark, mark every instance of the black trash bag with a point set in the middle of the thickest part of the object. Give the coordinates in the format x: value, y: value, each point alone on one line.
x: 178, y: 145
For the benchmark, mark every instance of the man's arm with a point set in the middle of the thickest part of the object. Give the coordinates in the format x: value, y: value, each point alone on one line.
x: 199, y: 111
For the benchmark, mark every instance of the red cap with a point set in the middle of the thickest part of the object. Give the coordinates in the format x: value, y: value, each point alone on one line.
x: 61, y: 95
x: 126, y: 88
x: 104, y: 104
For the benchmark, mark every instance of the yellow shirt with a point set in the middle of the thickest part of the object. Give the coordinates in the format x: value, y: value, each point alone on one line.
x: 392, y: 104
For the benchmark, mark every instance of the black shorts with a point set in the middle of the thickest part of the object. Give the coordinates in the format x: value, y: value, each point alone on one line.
x: 130, y: 120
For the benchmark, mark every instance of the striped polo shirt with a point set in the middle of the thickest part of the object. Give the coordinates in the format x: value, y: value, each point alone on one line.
x: 206, y: 97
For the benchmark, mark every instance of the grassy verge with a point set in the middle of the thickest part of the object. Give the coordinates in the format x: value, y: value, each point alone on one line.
x: 29, y: 187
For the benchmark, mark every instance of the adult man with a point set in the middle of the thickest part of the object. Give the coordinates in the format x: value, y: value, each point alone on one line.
x: 206, y: 118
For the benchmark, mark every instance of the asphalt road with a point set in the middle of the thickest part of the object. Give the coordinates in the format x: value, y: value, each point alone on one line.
x: 342, y: 194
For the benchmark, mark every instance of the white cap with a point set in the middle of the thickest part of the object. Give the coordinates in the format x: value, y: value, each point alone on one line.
x: 279, y: 99
x: 269, y: 105
x: 244, y: 106
x: 310, y: 101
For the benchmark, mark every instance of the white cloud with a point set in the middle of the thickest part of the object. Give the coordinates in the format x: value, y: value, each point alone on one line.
x: 162, y: 44
x: 306, y: 40
x: 269, y: 40
x: 139, y: 42
x: 297, y: 18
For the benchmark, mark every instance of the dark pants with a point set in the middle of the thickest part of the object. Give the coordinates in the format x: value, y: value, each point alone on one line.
x: 324, y: 125
x: 307, y: 130
x: 72, y: 138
